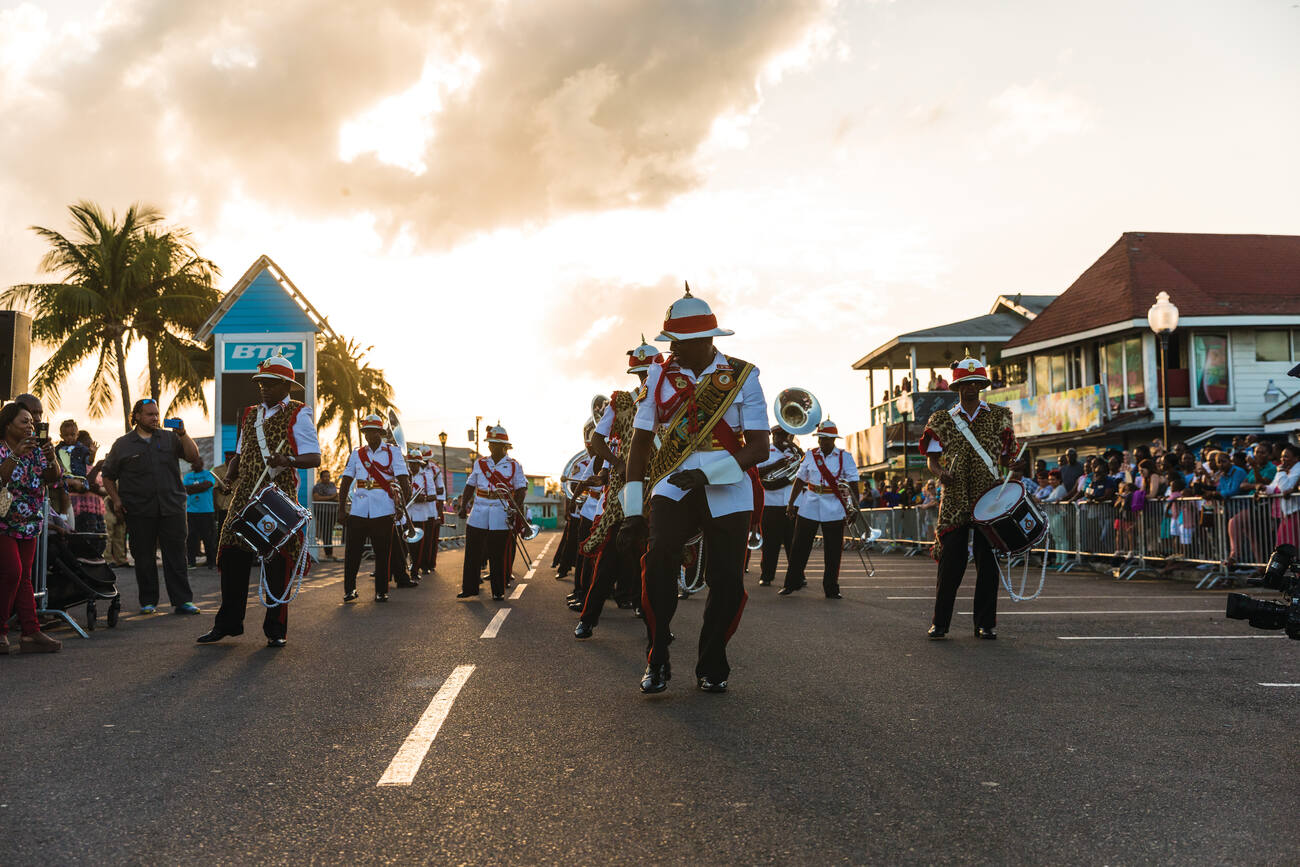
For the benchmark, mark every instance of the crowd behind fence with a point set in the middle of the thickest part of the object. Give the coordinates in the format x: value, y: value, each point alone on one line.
x: 1217, y: 535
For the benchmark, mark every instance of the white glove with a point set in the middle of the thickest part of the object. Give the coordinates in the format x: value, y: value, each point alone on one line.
x: 724, y: 471
x: 629, y: 497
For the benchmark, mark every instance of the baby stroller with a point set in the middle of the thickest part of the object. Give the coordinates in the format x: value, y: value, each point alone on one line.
x: 72, y: 581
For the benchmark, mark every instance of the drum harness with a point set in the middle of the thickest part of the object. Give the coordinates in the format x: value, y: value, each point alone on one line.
x: 1005, y: 577
x: 292, y: 587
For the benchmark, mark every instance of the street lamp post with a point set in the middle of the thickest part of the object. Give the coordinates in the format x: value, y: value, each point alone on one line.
x: 446, y: 476
x: 1163, y: 319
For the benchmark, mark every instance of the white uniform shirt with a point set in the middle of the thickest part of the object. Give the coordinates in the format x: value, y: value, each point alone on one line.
x: 375, y: 502
x: 490, y: 514
x: 1286, y: 483
x: 935, y: 448
x: 606, y: 424
x: 746, y: 412
x: 422, y: 483
x: 303, y: 430
x: 824, y: 507
x: 595, y: 502
x: 780, y: 496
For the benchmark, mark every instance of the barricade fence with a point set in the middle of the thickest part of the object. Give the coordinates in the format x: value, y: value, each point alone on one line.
x: 326, y: 532
x: 1216, y: 535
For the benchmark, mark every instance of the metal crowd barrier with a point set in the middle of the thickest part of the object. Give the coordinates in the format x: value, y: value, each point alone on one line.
x: 326, y: 531
x: 1219, y: 537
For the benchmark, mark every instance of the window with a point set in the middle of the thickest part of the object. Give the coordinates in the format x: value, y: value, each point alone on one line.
x: 1211, y: 374
x: 1125, y: 385
x: 1042, y: 375
x: 1272, y: 345
x: 1058, y: 373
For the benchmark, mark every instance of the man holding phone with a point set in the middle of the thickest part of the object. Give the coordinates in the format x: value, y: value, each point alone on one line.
x: 143, y: 478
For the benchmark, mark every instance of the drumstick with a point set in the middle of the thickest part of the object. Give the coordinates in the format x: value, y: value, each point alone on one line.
x: 257, y: 486
x: 1008, y: 478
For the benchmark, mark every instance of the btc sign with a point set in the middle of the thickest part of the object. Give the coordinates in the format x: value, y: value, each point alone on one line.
x: 244, y: 357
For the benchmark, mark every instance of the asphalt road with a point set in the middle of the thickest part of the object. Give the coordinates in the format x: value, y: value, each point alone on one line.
x: 846, y: 736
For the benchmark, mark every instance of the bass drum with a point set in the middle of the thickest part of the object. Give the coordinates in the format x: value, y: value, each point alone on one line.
x: 270, y: 520
x: 1009, y: 518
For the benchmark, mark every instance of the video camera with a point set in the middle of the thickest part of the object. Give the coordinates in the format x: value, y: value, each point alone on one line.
x: 1283, y: 575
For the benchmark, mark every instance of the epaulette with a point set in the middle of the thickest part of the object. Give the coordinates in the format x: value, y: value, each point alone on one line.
x: 642, y: 392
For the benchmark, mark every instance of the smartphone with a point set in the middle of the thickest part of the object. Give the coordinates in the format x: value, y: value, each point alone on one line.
x: 43, y: 430
x: 173, y: 423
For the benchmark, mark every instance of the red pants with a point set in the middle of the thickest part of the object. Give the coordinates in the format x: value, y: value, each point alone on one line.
x: 16, y: 593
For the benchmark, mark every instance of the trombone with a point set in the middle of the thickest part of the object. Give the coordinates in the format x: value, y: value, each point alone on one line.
x: 410, y: 533
x: 523, y: 529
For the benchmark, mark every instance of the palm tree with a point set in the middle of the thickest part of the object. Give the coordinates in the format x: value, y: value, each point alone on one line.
x: 90, y: 313
x: 175, y: 302
x: 347, y: 387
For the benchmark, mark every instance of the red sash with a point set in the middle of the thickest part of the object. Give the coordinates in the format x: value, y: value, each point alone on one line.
x: 731, y: 443
x: 375, y: 472
x: 495, y: 478
x: 832, y: 482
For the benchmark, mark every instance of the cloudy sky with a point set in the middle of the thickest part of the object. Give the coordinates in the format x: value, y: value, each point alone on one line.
x: 502, y: 196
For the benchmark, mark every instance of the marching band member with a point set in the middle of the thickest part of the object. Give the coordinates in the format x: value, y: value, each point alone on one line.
x: 277, y: 419
x: 488, y: 533
x: 609, y: 440
x: 592, y: 506
x: 576, y: 529
x: 401, y: 550
x: 959, y: 444
x: 815, y: 503
x: 777, y: 528
x: 379, y: 471
x: 435, y: 487
x: 702, y: 403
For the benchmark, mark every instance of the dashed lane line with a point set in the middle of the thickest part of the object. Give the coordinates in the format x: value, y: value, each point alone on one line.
x: 1280, y: 684
x: 529, y: 574
x: 1160, y: 637
x: 519, y: 591
x: 1116, y: 611
x: 495, y: 625
x: 406, y: 764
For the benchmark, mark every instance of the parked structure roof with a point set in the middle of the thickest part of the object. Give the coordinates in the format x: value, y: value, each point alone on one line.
x: 941, y: 345
x: 1205, y: 276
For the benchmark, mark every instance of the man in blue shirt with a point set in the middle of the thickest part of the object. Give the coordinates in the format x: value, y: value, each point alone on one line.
x: 201, y: 514
x: 1230, y: 477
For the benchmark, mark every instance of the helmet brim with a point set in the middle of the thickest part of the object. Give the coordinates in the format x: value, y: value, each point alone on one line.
x: 276, y: 378
x: 670, y: 336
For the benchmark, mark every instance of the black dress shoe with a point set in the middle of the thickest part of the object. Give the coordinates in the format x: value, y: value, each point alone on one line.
x: 836, y: 595
x: 785, y: 591
x: 405, y: 583
x: 582, y: 631
x: 275, y: 642
x: 215, y: 635
x: 350, y: 596
x: 497, y: 597
x: 985, y: 632
x: 570, y: 597
x: 381, y: 597
x: 936, y: 632
x: 575, y: 605
x: 762, y: 583
x: 655, y: 678
x: 625, y: 604
x: 638, y: 613
x: 708, y: 684
x: 464, y: 595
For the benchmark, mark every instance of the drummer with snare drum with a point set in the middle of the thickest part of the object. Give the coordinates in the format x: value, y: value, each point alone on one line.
x: 963, y: 444
x: 276, y: 438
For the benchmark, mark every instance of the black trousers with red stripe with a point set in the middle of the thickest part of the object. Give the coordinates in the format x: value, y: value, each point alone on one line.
x: 569, y: 544
x: 236, y: 569
x: 489, y: 545
x: 583, y: 565
x: 672, y: 522
x: 610, y: 566
x: 379, y: 531
x: 429, y: 544
x: 805, y: 533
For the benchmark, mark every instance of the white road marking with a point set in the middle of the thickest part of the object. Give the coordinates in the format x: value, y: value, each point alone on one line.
x: 1004, y: 596
x: 1159, y: 637
x: 495, y: 626
x: 1277, y: 684
x: 1148, y: 611
x: 406, y: 764
x: 529, y: 574
x: 519, y: 591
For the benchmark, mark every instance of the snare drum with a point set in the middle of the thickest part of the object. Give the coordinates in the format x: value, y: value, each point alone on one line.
x: 1009, y: 518
x: 270, y: 519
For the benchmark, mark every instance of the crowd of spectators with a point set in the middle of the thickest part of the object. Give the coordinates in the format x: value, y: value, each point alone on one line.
x: 1172, y: 501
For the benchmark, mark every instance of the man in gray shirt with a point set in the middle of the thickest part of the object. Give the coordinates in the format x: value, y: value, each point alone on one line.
x: 143, y: 479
